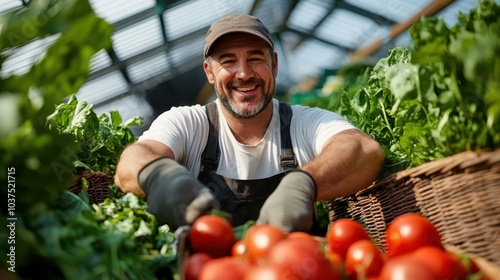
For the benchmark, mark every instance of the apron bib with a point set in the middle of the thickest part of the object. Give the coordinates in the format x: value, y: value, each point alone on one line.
x: 243, y: 199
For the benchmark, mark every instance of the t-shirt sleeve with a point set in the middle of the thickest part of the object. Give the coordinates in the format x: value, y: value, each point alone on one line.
x: 182, y: 129
x: 314, y: 126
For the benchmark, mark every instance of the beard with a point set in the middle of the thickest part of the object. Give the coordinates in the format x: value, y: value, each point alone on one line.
x: 232, y: 105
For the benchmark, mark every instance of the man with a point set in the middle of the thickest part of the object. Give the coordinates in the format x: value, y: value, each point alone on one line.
x: 247, y: 153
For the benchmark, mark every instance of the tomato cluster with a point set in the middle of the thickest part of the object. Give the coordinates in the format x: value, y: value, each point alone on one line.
x: 414, y: 251
x: 346, y: 252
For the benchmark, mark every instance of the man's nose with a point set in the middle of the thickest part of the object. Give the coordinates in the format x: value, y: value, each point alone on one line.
x: 244, y: 71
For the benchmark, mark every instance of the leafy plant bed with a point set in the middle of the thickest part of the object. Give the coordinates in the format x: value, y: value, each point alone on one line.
x: 434, y: 100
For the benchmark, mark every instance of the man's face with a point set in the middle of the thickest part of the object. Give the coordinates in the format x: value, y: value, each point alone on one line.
x: 242, y: 69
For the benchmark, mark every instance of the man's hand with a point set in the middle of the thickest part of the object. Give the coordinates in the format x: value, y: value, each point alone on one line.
x: 291, y: 206
x: 174, y: 196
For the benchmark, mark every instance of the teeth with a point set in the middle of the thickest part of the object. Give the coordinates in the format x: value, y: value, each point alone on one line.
x: 245, y: 88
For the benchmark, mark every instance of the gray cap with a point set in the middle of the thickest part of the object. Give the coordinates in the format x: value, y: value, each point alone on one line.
x: 236, y: 23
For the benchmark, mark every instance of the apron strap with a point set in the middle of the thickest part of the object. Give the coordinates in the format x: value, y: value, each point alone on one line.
x: 210, y: 156
x: 287, y: 157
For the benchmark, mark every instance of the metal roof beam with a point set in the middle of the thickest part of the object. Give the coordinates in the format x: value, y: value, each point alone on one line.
x: 305, y: 36
x: 282, y: 25
x: 373, y: 16
x: 158, y: 10
x: 188, y: 37
x: 398, y: 28
x: 149, y: 53
x: 254, y: 7
x: 119, y: 65
x: 140, y: 16
x: 341, y: 4
x: 140, y: 87
x: 318, y: 24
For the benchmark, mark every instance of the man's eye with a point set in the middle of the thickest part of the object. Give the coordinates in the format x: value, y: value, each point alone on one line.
x: 227, y: 62
x: 255, y: 59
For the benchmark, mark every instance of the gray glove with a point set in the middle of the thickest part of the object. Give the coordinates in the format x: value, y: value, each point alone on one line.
x: 174, y: 196
x: 292, y: 205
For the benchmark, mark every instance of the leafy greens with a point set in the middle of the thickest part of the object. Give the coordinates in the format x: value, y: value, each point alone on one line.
x: 440, y: 98
x: 100, y: 140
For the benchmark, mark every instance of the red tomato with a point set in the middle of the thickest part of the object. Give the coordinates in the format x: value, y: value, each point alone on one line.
x: 225, y: 268
x: 303, y: 237
x: 306, y: 261
x: 270, y: 272
x: 410, y: 231
x: 238, y: 249
x: 441, y: 262
x: 406, y: 267
x: 213, y: 235
x: 260, y: 238
x: 363, y: 259
x: 342, y: 233
x: 194, y: 264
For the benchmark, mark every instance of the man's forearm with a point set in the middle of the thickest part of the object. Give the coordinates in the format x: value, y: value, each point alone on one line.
x: 350, y: 162
x: 133, y: 159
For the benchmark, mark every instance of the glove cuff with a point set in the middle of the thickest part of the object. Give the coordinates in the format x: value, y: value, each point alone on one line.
x: 148, y: 173
x: 312, y: 182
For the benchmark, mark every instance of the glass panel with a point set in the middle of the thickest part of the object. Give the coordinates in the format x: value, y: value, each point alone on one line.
x: 99, y: 61
x: 128, y: 106
x: 397, y: 10
x: 148, y: 68
x: 137, y: 38
x: 9, y: 4
x: 23, y: 58
x: 103, y: 88
x: 194, y: 15
x: 307, y: 14
x: 188, y: 52
x: 347, y: 28
x: 312, y: 57
x: 114, y: 11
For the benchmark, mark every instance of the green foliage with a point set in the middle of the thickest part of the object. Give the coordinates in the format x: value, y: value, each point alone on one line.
x: 100, y: 140
x: 75, y: 241
x: 126, y: 214
x: 439, y: 99
x: 27, y: 144
x: 58, y: 235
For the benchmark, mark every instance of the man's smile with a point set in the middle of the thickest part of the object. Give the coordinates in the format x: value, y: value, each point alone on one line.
x: 245, y: 89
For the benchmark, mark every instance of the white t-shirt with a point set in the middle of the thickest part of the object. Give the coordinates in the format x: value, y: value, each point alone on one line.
x: 185, y: 131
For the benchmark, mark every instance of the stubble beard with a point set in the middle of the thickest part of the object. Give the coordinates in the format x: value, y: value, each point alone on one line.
x: 232, y: 106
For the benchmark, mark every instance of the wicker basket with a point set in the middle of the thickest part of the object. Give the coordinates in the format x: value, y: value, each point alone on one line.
x: 459, y: 194
x: 98, y: 185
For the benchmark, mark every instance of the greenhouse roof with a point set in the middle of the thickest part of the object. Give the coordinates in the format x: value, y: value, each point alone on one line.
x: 158, y: 41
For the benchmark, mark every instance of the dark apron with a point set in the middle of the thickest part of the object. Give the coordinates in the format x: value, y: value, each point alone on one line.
x: 242, y: 199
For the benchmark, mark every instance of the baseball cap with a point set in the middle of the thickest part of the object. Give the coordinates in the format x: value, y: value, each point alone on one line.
x: 236, y: 23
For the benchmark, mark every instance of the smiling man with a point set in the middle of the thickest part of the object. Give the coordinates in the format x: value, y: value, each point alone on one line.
x: 252, y: 156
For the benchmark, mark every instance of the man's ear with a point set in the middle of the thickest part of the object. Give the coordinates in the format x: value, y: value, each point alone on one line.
x: 275, y: 68
x: 208, y: 72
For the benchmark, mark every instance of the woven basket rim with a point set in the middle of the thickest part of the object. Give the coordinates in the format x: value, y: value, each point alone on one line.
x: 98, y: 184
x: 88, y: 173
x: 457, y: 193
x: 463, y: 160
